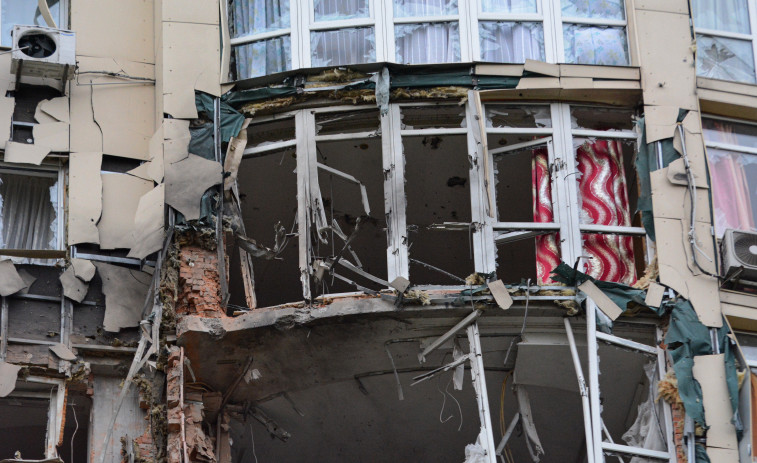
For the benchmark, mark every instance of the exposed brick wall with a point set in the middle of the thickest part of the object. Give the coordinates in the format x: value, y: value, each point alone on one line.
x: 199, y: 283
x: 678, y: 419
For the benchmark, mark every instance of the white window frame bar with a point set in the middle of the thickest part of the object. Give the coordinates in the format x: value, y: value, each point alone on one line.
x: 304, y: 131
x: 752, y: 11
x: 566, y: 192
x: 398, y: 264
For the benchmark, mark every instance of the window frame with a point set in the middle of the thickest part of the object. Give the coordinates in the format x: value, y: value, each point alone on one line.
x: 469, y: 17
x: 751, y: 37
x: 45, y: 170
x: 55, y: 411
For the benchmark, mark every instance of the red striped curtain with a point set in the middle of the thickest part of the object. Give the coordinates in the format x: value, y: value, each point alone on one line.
x: 604, y: 201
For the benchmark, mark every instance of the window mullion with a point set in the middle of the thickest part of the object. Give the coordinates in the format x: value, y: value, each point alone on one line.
x: 305, y: 135
x: 550, y: 32
x: 752, y: 7
x: 463, y: 28
x: 564, y: 180
x: 484, y: 248
x: 394, y: 194
x: 557, y: 30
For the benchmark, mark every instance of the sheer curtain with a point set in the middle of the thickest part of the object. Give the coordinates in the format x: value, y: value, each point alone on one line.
x: 343, y: 46
x: 604, y: 201
x: 427, y: 43
x: 721, y: 15
x: 28, y: 213
x: 511, y: 42
x: 595, y: 45
x: 265, y: 56
x: 408, y: 8
x: 547, y: 251
x: 330, y: 10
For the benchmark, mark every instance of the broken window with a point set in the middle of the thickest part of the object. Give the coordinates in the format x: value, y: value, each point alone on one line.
x: 437, y: 187
x: 268, y: 200
x: 604, y: 146
x: 353, y: 241
x: 505, y: 33
x: 14, y: 12
x: 725, y: 39
x: 30, y: 207
x: 31, y: 418
x: 732, y: 156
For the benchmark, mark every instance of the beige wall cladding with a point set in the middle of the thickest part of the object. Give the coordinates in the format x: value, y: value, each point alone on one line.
x: 149, y: 223
x: 114, y: 28
x: 201, y: 11
x: 666, y: 81
x: 709, y: 371
x: 84, y: 197
x: 116, y: 119
x: 121, y: 193
x: 21, y: 153
x: 191, y: 61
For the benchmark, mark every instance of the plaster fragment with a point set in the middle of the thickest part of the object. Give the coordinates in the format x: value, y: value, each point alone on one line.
x: 10, y: 281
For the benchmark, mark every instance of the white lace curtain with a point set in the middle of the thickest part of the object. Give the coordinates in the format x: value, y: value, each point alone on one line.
x: 265, y: 56
x: 28, y: 213
x: 511, y: 42
x: 330, y: 10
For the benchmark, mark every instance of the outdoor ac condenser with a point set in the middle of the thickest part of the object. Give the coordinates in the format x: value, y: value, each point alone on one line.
x: 740, y: 252
x: 43, y: 52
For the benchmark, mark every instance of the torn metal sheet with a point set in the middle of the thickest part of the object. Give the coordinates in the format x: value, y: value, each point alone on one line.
x: 28, y: 280
x: 604, y: 303
x: 660, y: 122
x: 500, y: 294
x: 350, y: 178
x: 8, y: 376
x: 63, y: 352
x: 6, y: 116
x: 10, y: 281
x: 125, y: 292
x: 53, y: 110
x: 121, y: 194
x: 187, y: 180
x: 53, y: 135
x: 234, y: 155
x: 194, y: 64
x: 709, y: 371
x: 23, y: 153
x: 84, y: 197
x: 540, y: 67
x: 73, y: 288
x: 83, y: 269
x: 148, y: 223
x: 655, y: 294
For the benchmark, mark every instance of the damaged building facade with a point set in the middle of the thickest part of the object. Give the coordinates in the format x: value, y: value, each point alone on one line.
x: 373, y: 230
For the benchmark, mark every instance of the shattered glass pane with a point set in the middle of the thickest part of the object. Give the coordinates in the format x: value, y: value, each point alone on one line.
x: 343, y: 46
x: 598, y: 9
x: 601, y: 45
x: 409, y: 8
x: 25, y: 12
x: 532, y: 116
x: 334, y: 10
x: 257, y: 16
x: 347, y: 122
x: 511, y: 42
x: 433, y: 117
x: 594, y: 118
x: 523, y: 185
x: 721, y: 15
x: 264, y: 57
x: 271, y: 132
x: 725, y: 59
x: 28, y: 213
x: 508, y: 6
x: 427, y: 43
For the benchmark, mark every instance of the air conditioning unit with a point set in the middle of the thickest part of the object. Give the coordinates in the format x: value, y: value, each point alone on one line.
x: 43, y: 52
x: 740, y: 254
